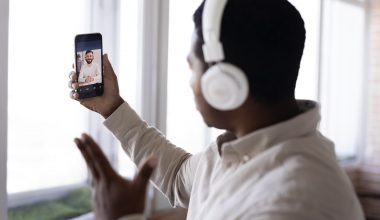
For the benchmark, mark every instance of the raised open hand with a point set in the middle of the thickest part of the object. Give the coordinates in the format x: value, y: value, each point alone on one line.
x: 113, y: 196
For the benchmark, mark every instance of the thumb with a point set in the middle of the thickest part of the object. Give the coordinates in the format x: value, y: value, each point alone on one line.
x: 146, y: 172
x: 107, y: 65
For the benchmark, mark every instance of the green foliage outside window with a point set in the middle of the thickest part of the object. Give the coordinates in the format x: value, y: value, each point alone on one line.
x: 74, y: 204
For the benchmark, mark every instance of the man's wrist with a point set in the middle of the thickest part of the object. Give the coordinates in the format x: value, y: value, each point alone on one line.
x: 113, y: 106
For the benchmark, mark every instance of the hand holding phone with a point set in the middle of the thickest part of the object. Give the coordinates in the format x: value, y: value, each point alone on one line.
x: 106, y: 104
x: 105, y: 99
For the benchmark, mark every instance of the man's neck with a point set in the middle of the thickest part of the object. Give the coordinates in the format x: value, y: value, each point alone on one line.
x: 255, y: 116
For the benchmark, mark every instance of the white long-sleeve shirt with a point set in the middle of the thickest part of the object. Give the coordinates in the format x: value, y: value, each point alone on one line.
x: 90, y: 70
x: 287, y: 171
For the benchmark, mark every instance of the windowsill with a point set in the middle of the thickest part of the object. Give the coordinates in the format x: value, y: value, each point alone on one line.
x: 72, y: 204
x: 166, y: 214
x: 88, y: 216
x: 31, y: 197
x: 349, y: 162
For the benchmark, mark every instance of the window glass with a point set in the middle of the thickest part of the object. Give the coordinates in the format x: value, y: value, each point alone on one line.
x: 342, y: 90
x: 127, y: 75
x: 43, y: 120
x: 185, y: 126
x: 307, y: 83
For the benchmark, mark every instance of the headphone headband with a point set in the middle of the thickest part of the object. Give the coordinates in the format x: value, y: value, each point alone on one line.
x: 224, y: 86
x: 211, y: 27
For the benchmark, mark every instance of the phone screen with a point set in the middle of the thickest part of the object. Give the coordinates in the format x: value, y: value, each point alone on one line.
x: 89, y: 64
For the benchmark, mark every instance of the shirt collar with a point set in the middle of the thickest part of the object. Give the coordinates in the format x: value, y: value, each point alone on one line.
x: 247, y: 147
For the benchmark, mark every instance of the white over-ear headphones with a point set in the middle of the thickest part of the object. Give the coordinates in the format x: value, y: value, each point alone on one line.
x: 224, y: 86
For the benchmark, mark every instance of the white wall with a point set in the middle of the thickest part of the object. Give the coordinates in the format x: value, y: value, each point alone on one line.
x: 4, y: 12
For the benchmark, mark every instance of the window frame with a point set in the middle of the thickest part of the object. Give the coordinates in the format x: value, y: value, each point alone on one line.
x: 104, y: 17
x: 4, y: 14
x: 152, y: 69
x: 366, y: 92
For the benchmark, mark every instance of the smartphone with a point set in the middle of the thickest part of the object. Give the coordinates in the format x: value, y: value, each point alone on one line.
x: 89, y: 64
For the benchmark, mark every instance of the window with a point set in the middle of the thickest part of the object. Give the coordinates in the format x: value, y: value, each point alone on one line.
x: 336, y: 80
x: 343, y: 75
x: 42, y: 119
x: 307, y: 83
x: 43, y: 162
x: 127, y: 73
x: 185, y: 126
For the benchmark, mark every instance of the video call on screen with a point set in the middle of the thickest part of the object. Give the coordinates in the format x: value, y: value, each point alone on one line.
x: 89, y: 63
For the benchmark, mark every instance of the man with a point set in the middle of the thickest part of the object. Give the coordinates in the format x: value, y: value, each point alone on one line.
x: 90, y: 71
x: 271, y: 164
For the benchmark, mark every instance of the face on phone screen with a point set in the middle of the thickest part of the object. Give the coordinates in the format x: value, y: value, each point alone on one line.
x: 88, y: 49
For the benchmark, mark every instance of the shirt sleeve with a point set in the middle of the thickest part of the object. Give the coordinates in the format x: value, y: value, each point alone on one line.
x: 176, y: 168
x: 132, y: 217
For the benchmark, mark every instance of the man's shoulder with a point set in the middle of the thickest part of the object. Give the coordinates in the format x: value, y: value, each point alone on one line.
x: 308, y: 180
x: 307, y: 165
x: 311, y: 147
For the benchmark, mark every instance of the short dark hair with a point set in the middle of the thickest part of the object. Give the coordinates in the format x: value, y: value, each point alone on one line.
x: 89, y: 51
x: 265, y: 38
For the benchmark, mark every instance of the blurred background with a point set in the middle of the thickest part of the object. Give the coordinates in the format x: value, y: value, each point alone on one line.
x: 147, y: 42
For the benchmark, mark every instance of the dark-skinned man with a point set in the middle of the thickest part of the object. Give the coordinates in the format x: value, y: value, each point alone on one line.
x: 271, y: 164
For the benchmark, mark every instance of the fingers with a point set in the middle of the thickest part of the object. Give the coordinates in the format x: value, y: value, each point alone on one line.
x: 146, y: 172
x: 107, y: 66
x: 73, y: 76
x: 70, y: 83
x: 73, y: 83
x: 106, y: 61
x: 74, y: 95
x: 87, y: 157
x: 100, y: 161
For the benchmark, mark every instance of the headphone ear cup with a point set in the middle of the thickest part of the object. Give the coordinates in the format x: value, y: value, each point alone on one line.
x: 225, y: 86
